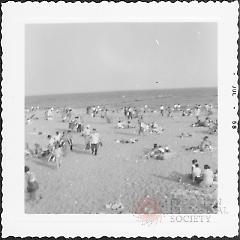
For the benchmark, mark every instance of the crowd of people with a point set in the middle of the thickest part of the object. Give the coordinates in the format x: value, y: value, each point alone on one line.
x: 59, y: 143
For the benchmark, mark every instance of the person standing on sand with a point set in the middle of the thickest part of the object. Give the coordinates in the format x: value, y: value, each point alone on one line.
x: 95, y: 141
x: 58, y: 155
x: 86, y: 135
x: 197, y: 112
x: 140, y: 129
x: 69, y: 139
x: 31, y: 184
x: 196, y: 174
x: 161, y: 110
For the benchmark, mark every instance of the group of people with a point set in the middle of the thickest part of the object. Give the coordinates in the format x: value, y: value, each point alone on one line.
x: 205, y: 178
x: 151, y: 128
x: 130, y: 112
x: 158, y: 152
x: 58, y: 143
x: 92, y: 139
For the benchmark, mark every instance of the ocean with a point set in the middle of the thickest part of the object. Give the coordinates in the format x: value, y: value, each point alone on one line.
x: 152, y: 98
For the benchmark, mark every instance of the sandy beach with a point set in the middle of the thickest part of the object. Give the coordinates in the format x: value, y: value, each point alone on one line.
x: 121, y: 173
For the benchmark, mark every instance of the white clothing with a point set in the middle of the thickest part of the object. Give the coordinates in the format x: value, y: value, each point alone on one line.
x: 57, y: 138
x: 95, y: 138
x: 196, y: 172
x: 208, y: 177
x: 51, y: 141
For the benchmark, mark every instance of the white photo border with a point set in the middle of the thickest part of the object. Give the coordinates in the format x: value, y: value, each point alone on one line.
x: 15, y: 15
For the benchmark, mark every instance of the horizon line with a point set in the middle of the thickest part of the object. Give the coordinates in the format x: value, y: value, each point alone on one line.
x: 108, y: 91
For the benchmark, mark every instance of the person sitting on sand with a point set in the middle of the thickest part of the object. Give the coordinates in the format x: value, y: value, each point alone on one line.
x: 57, y: 137
x: 205, y: 144
x: 156, y: 128
x: 31, y: 183
x: 196, y: 174
x: 51, y: 142
x: 157, y: 152
x: 208, y: 177
x: 95, y: 141
x: 155, y: 147
x: 120, y: 124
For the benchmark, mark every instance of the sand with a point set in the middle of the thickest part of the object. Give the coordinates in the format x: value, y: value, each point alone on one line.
x: 120, y: 173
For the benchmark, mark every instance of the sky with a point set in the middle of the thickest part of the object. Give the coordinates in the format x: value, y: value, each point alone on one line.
x: 93, y: 57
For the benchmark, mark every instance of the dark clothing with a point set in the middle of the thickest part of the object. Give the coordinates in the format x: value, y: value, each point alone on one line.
x: 70, y: 143
x: 94, y: 148
x: 79, y: 128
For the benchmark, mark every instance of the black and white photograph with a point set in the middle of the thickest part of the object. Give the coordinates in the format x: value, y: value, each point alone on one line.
x: 131, y: 118
x: 121, y: 113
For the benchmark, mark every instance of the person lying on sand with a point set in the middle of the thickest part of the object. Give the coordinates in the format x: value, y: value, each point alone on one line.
x: 155, y: 128
x: 157, y: 152
x: 122, y: 124
x: 185, y: 135
x: 132, y: 140
x: 37, y: 151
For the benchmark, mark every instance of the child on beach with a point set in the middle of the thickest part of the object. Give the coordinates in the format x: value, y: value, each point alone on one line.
x: 58, y: 155
x: 95, y: 141
x: 31, y: 184
x: 196, y: 174
x: 194, y: 161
